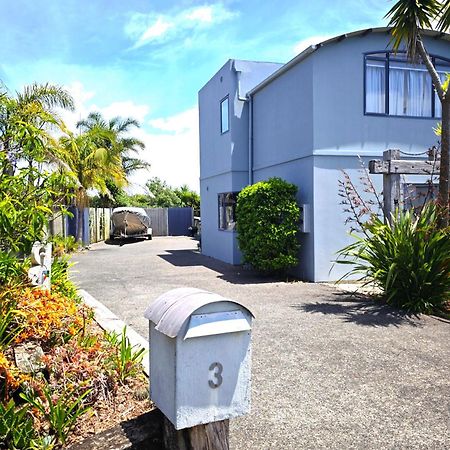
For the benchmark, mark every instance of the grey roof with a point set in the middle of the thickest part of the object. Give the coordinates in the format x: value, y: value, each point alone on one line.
x: 312, y: 48
x: 171, y: 310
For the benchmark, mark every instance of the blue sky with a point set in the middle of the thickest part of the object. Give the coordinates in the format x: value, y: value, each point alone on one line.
x: 148, y: 59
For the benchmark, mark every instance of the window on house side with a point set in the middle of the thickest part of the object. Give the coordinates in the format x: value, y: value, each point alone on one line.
x: 227, y: 210
x: 224, y: 116
x: 408, y: 87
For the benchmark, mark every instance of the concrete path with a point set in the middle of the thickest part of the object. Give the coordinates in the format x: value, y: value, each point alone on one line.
x: 329, y: 371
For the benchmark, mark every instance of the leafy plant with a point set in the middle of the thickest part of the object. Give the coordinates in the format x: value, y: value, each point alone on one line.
x: 267, y: 216
x: 11, y: 268
x: 10, y: 327
x: 61, y: 282
x: 127, y: 359
x: 61, y: 414
x: 409, y: 259
x: 63, y: 245
x: 16, y: 427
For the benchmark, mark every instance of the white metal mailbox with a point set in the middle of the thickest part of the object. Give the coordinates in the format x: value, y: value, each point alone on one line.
x: 41, y: 265
x: 200, y: 357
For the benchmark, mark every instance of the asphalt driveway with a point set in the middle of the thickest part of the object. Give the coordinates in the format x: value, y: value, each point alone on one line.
x: 329, y: 370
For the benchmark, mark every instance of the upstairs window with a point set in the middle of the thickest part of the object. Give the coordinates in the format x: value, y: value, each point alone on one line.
x: 224, y: 116
x: 395, y: 87
x: 227, y: 210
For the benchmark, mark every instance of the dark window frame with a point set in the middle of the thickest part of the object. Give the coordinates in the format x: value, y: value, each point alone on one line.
x: 227, y: 99
x: 223, y: 203
x: 390, y: 56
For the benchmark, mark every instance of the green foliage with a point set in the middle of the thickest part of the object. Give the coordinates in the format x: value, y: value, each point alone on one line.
x: 161, y: 194
x: 267, y: 218
x: 28, y: 193
x: 12, y: 269
x: 9, y: 325
x: 408, y: 259
x: 60, y: 279
x: 61, y: 414
x: 63, y: 245
x: 27, y: 198
x: 16, y: 427
x: 127, y: 359
x: 188, y: 198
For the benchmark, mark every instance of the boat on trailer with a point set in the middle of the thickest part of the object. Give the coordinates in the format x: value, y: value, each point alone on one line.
x: 130, y: 222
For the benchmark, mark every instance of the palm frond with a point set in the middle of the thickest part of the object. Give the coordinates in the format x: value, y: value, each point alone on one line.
x: 407, y: 18
x: 47, y: 95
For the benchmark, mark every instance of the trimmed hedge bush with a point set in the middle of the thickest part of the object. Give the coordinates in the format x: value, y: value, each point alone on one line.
x: 267, y: 216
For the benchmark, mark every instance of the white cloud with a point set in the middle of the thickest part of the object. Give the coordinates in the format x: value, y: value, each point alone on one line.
x: 124, y: 109
x: 201, y: 14
x: 147, y: 28
x: 158, y: 29
x: 305, y: 43
x: 179, y: 123
x: 173, y: 154
x: 171, y: 143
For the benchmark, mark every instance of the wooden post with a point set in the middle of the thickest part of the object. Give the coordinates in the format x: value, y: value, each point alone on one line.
x: 211, y: 436
x: 391, y: 185
x: 392, y: 167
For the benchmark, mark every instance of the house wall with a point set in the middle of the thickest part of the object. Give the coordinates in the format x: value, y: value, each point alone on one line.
x: 299, y: 172
x: 224, y: 157
x: 338, y: 115
x: 315, y: 112
x: 308, y: 125
x: 342, y: 131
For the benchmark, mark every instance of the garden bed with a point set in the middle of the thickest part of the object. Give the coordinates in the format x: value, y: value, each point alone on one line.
x: 62, y: 378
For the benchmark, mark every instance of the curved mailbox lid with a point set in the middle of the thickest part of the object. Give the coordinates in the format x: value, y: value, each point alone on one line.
x: 170, y: 311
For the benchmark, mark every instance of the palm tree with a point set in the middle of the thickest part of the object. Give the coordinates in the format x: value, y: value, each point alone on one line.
x: 121, y: 141
x: 118, y: 141
x: 408, y: 19
x: 25, y: 120
x: 28, y: 191
x: 92, y: 165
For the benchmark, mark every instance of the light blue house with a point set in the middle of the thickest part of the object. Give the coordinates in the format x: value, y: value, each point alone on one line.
x: 305, y: 121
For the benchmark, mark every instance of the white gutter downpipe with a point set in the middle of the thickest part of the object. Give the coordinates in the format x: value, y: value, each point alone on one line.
x: 250, y: 139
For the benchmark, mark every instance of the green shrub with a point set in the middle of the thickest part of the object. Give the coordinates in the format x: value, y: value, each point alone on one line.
x: 60, y: 279
x: 12, y: 268
x: 16, y: 427
x: 126, y: 359
x: 60, y: 413
x: 63, y: 245
x: 408, y: 259
x: 267, y: 217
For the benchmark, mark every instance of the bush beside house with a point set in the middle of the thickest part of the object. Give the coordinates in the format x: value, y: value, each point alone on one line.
x: 267, y: 216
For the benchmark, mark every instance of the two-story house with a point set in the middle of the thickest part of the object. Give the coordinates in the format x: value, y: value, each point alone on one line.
x: 306, y: 121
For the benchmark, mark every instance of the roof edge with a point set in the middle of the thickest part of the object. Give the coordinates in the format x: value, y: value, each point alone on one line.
x: 312, y: 48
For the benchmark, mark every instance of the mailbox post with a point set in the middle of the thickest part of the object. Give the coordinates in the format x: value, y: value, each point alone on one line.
x: 200, y: 360
x: 41, y: 265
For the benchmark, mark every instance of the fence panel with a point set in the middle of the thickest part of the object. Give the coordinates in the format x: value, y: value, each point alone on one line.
x: 180, y: 219
x: 159, y: 219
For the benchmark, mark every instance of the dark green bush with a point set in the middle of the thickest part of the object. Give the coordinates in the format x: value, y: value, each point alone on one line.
x: 267, y: 217
x: 408, y: 259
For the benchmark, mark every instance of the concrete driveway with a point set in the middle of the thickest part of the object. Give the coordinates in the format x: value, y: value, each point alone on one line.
x: 329, y: 371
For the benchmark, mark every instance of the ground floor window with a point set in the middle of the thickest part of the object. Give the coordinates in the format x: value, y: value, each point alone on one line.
x: 227, y: 210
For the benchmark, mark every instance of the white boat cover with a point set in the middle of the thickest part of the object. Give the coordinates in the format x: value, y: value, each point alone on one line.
x: 130, y: 221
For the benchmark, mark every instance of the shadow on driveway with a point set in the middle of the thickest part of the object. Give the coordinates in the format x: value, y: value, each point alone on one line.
x: 228, y: 272
x: 361, y: 310
x: 122, y: 242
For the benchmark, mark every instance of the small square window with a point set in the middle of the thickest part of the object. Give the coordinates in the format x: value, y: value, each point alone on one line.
x: 224, y: 116
x: 227, y: 210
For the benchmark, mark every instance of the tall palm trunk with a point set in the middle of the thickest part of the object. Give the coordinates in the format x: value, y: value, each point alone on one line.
x: 444, y: 169
x: 80, y: 224
x: 444, y: 98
